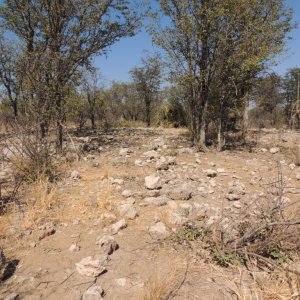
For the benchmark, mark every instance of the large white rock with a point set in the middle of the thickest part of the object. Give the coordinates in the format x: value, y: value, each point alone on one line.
x: 92, y: 267
x: 152, y: 182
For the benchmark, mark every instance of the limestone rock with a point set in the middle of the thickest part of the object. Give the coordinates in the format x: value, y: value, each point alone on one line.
x: 181, y: 192
x: 152, y: 182
x: 274, y: 150
x: 157, y: 201
x: 95, y: 292
x: 159, y: 229
x: 75, y: 175
x: 92, y: 267
x: 116, y: 227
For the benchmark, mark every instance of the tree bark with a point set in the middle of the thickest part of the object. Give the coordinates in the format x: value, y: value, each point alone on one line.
x: 246, y: 117
x: 59, y: 120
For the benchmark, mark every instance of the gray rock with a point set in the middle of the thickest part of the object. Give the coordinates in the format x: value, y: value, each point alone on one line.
x: 157, y: 143
x: 75, y: 175
x: 126, y: 193
x: 181, y: 192
x: 124, y: 152
x: 157, y: 201
x: 152, y: 182
x: 139, y: 163
x: 233, y: 197
x: 159, y: 229
x: 116, y: 227
x: 121, y: 281
x: 150, y: 154
x: 185, y: 151
x: 74, y: 248
x: 236, y: 187
x: 211, y: 173
x: 92, y: 267
x: 153, y: 193
x: 95, y: 292
x: 126, y: 209
x: 118, y: 181
x: 274, y: 150
x: 104, y: 240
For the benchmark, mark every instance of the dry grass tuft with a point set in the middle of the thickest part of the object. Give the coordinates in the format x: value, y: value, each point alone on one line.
x: 165, y: 286
x: 160, y: 287
x: 41, y: 204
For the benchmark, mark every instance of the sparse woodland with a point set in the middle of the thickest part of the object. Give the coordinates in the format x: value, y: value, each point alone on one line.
x: 203, y: 138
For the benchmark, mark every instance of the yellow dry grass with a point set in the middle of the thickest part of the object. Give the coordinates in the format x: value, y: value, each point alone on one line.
x: 42, y: 204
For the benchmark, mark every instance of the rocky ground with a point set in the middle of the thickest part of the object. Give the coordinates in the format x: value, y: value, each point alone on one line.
x: 111, y: 227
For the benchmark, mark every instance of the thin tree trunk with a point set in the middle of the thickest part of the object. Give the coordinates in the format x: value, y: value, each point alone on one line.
x: 246, y: 117
x: 221, y: 127
x: 15, y: 109
x: 59, y: 120
x: 148, y: 112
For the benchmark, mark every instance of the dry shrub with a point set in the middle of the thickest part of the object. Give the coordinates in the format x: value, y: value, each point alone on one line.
x: 31, y: 157
x: 165, y: 287
x: 41, y: 204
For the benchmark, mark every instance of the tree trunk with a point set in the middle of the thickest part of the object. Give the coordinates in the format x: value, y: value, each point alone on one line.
x: 15, y: 109
x: 221, y: 127
x: 148, y: 112
x: 59, y: 120
x: 93, y: 123
x: 246, y: 117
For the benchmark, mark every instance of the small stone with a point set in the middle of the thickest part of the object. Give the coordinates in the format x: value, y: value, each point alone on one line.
x: 237, y: 204
x: 292, y: 166
x: 152, y: 182
x: 118, y: 181
x: 124, y: 152
x: 211, y: 173
x: 181, y: 192
x: 104, y: 240
x: 198, y: 161
x: 153, y: 193
x: 233, y: 197
x: 75, y: 175
x: 118, y: 226
x: 95, y: 292
x: 274, y: 150
x: 76, y: 222
x: 150, y: 154
x: 298, y: 176
x: 159, y: 228
x: 32, y: 245
x: 121, y: 281
x: 127, y: 193
x: 157, y: 201
x: 139, y: 163
x: 74, y: 248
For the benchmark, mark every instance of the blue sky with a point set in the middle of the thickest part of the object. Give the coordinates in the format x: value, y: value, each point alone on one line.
x: 128, y: 52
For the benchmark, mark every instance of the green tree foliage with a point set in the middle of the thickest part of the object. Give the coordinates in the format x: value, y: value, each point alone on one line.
x: 59, y: 37
x: 147, y: 80
x: 217, y: 48
x: 290, y: 86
